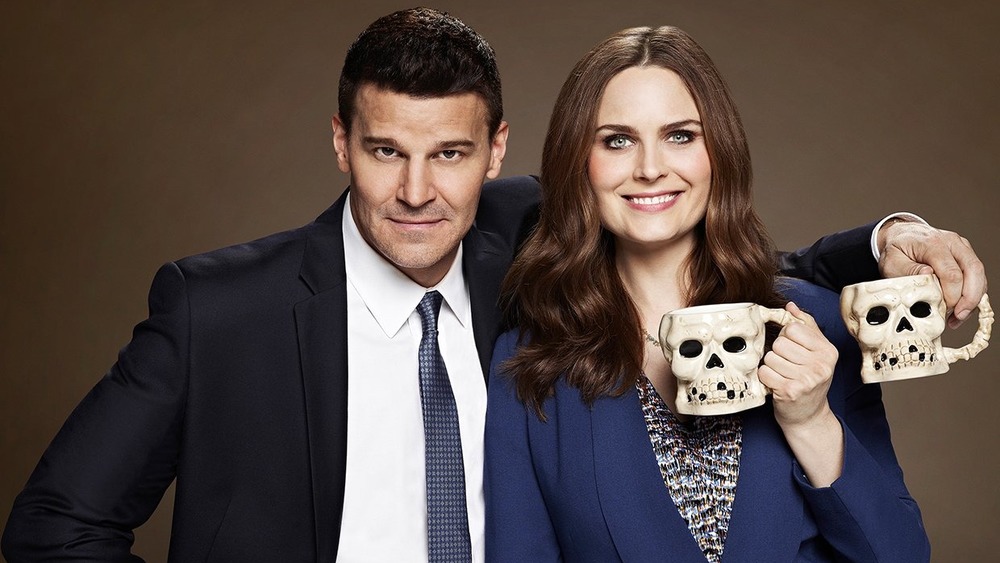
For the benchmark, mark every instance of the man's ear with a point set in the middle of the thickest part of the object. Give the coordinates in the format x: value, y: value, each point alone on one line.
x: 340, y: 145
x: 498, y: 148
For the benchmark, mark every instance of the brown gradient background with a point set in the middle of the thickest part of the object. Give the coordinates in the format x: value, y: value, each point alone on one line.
x: 134, y: 133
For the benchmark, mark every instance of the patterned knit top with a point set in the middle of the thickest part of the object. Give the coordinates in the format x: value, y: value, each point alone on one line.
x: 700, y: 463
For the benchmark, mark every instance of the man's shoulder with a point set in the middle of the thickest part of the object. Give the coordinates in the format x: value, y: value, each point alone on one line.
x: 264, y: 260
x: 524, y: 185
x: 244, y: 255
x: 509, y: 207
x: 515, y: 192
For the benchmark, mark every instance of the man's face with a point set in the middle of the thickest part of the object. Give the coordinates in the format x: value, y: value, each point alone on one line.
x: 417, y: 166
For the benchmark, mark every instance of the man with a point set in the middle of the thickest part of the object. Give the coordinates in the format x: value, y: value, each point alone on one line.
x: 292, y: 385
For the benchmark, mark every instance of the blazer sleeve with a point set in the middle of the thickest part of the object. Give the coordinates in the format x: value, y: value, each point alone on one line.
x: 518, y: 527
x: 108, y: 467
x: 834, y: 261
x: 867, y: 514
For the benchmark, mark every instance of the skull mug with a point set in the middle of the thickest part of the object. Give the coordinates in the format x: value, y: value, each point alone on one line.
x: 714, y: 352
x: 899, y: 321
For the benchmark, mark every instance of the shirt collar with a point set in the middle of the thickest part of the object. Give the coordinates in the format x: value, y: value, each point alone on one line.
x: 389, y: 294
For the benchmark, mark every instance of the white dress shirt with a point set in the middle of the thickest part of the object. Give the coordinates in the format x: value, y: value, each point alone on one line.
x: 385, y: 502
x: 904, y: 215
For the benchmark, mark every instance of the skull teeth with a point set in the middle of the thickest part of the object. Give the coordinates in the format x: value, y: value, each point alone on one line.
x: 905, y: 354
x: 720, y: 390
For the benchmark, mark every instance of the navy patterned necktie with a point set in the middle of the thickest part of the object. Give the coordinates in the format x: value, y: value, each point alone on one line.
x: 447, y: 519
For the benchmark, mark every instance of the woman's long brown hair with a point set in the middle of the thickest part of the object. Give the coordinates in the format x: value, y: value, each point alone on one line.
x: 576, y: 318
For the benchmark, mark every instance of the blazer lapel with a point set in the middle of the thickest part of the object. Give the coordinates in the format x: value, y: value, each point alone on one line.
x: 639, y: 512
x: 321, y: 322
x: 486, y: 258
x: 767, y: 513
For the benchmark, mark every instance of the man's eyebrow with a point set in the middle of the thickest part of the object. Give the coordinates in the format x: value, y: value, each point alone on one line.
x: 388, y: 141
x: 456, y: 144
x: 441, y: 145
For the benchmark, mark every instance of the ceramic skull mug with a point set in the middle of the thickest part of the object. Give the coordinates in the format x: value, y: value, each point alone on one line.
x: 899, y: 321
x: 714, y: 352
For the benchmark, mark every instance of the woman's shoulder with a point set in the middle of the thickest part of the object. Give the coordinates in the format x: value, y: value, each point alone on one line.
x: 507, y: 343
x: 504, y: 349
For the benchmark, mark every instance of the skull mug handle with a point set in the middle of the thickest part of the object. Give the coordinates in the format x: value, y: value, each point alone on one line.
x: 779, y: 316
x: 980, y: 340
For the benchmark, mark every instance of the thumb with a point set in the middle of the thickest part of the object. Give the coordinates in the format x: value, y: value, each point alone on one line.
x: 799, y: 315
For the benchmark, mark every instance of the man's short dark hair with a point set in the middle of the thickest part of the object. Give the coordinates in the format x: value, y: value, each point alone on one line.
x: 423, y: 53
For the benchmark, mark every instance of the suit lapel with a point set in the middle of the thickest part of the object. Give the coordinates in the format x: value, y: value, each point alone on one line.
x: 485, y: 261
x: 639, y: 512
x: 321, y: 322
x: 767, y: 512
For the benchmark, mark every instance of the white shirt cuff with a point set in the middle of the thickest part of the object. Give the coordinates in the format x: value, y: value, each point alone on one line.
x: 905, y: 215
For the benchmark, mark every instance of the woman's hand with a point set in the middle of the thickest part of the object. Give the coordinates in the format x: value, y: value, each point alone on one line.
x: 798, y: 370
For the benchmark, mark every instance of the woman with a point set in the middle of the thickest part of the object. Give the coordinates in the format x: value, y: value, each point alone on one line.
x: 647, y: 208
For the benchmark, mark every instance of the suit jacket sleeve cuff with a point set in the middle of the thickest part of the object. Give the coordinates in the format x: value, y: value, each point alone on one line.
x: 902, y: 215
x: 866, y: 514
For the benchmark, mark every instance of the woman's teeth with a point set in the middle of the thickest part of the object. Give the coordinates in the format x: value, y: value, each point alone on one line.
x: 653, y: 200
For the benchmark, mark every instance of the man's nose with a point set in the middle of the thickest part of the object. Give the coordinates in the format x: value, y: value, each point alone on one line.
x: 416, y: 184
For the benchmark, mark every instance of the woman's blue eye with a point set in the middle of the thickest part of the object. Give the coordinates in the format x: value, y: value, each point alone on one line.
x: 618, y: 142
x: 681, y: 137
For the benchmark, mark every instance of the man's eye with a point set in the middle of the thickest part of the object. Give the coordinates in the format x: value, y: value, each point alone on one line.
x: 618, y: 142
x: 449, y: 154
x: 385, y: 151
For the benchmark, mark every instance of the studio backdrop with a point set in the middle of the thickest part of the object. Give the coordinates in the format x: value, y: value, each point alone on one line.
x: 134, y: 133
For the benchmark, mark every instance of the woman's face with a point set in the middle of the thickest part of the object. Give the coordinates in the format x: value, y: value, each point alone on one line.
x: 648, y: 164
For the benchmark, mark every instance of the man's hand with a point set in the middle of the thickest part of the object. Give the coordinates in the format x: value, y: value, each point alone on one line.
x: 909, y: 248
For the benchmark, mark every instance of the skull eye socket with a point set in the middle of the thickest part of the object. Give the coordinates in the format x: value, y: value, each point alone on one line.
x: 734, y: 344
x: 920, y: 309
x: 690, y: 349
x: 877, y: 315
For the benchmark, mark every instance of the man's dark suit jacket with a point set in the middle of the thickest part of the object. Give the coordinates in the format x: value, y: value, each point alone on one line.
x: 236, y: 385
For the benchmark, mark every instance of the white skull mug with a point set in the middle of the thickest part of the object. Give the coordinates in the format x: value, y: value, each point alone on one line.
x: 898, y: 322
x: 714, y: 352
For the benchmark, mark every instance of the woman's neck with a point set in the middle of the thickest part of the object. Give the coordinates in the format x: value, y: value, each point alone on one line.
x: 657, y: 280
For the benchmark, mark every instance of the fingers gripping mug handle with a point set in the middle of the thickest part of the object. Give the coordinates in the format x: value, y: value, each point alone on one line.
x: 981, y: 339
x: 780, y: 316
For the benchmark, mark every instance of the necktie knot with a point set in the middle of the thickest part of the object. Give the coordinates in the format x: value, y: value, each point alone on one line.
x: 428, y: 309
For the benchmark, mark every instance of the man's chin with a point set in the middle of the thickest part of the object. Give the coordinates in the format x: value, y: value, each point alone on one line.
x: 422, y: 263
